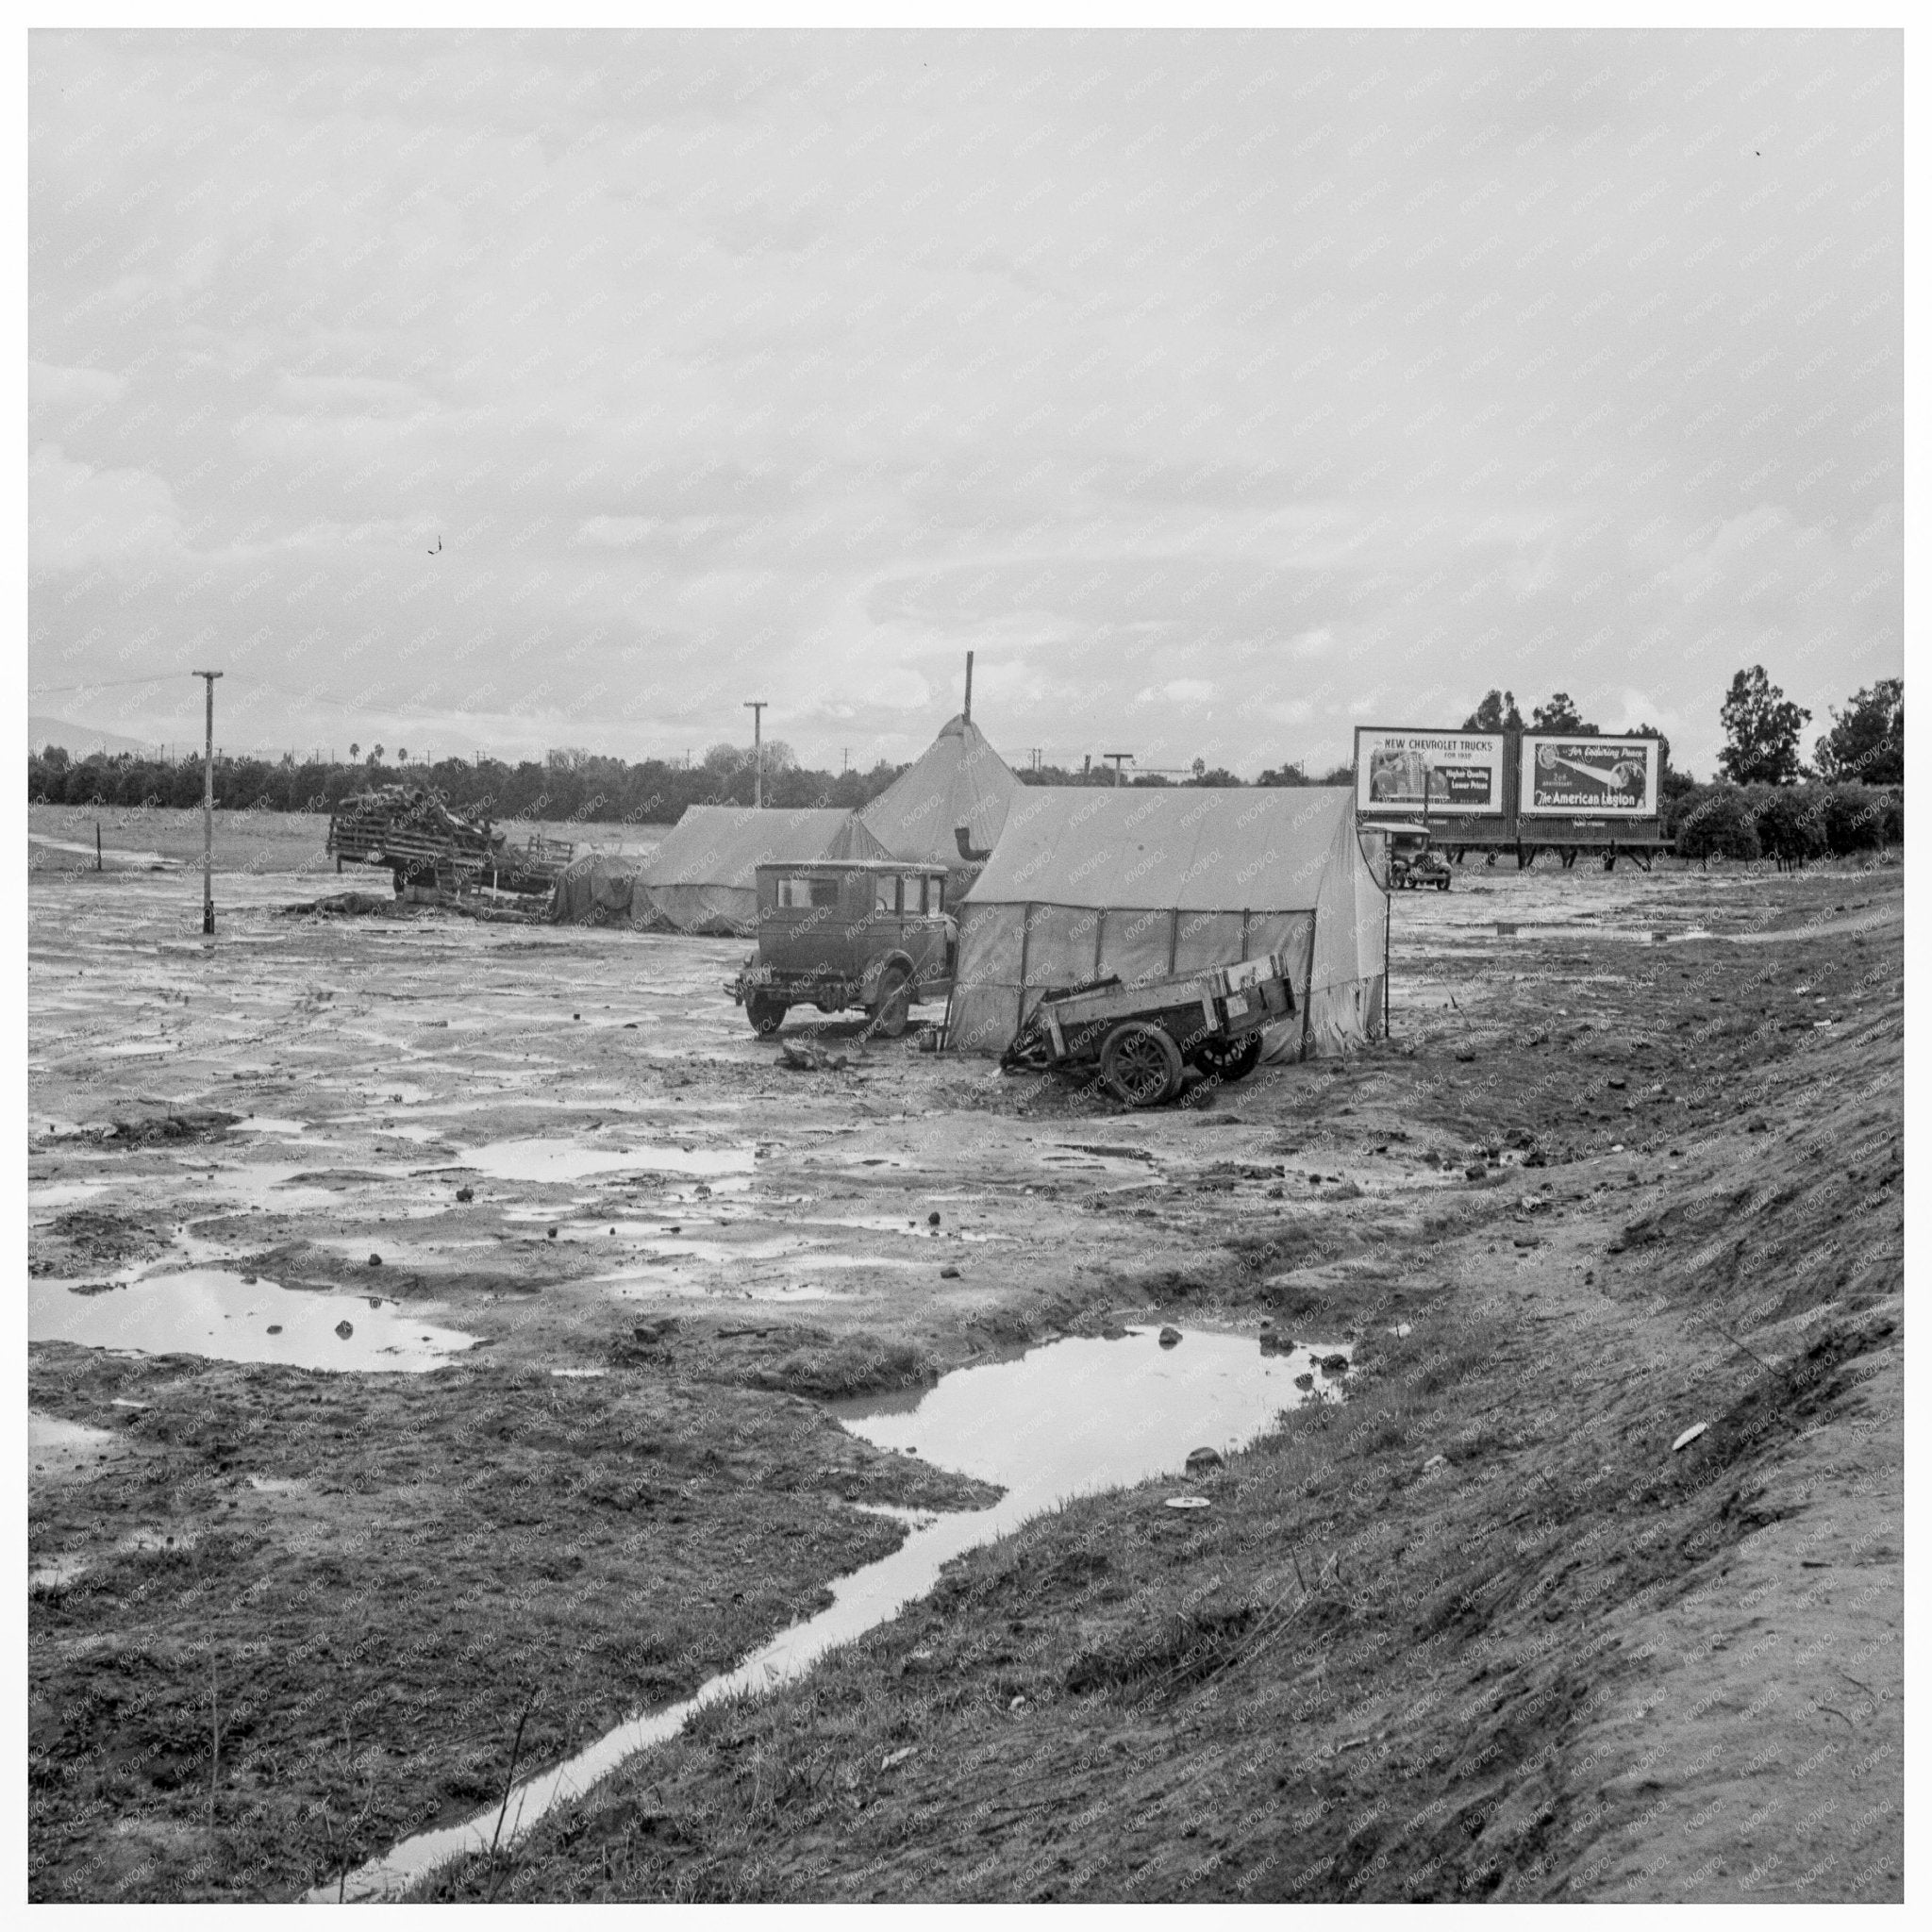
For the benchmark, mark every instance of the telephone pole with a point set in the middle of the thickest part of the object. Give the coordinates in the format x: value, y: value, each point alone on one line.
x: 207, y: 810
x: 757, y: 708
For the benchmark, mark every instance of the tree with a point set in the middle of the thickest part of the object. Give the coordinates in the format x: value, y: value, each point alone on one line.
x: 402, y: 754
x: 1720, y: 825
x: 1664, y: 744
x: 1560, y: 715
x: 1497, y: 712
x: 1854, y: 818
x: 1761, y: 729
x: 355, y: 751
x: 722, y: 760
x: 1791, y: 827
x: 1867, y: 740
x: 374, y: 756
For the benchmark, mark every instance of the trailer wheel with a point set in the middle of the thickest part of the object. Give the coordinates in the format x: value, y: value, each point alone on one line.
x: 1140, y: 1064
x: 1230, y: 1059
x: 765, y: 1013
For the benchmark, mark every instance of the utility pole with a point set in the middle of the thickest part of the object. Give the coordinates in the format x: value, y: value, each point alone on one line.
x: 968, y: 713
x: 757, y: 708
x: 1120, y: 759
x: 207, y: 810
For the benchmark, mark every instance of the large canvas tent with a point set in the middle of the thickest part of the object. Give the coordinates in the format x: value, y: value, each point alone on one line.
x: 1141, y: 882
x: 959, y: 780
x: 703, y: 877
x: 599, y: 888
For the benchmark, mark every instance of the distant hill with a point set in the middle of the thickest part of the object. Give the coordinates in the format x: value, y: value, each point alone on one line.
x: 78, y: 741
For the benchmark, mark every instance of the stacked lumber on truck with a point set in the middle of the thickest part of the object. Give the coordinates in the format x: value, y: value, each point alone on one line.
x: 436, y: 852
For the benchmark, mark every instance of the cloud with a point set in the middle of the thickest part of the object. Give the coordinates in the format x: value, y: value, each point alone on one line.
x: 800, y: 368
x: 1178, y: 690
x: 617, y: 533
x: 57, y: 388
x: 78, y: 514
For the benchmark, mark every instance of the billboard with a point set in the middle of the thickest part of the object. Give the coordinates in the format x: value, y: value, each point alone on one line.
x: 1462, y: 772
x: 1588, y: 777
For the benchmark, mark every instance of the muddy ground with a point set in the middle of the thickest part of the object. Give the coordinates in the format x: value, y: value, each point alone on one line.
x: 1478, y: 1632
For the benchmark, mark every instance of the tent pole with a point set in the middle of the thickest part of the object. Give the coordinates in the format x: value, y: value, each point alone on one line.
x: 1025, y: 939
x: 1388, y: 920
x: 1309, y: 985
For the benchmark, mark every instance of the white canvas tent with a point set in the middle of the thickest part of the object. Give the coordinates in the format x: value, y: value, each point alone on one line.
x: 959, y: 780
x: 1140, y: 882
x: 703, y: 877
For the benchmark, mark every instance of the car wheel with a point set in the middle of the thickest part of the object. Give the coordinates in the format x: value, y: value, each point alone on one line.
x: 765, y: 1014
x: 893, y: 1007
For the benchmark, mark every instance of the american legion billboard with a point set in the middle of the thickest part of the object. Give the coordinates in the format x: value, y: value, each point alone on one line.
x: 1588, y: 777
x: 1399, y: 772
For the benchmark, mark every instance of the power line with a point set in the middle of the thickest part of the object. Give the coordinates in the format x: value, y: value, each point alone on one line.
x: 41, y: 691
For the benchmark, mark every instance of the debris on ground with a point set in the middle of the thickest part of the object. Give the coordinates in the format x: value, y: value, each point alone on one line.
x: 358, y: 905
x: 808, y: 1057
x: 187, y: 1123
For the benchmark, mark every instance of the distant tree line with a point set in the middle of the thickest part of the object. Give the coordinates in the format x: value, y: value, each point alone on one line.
x: 1766, y: 802
x: 565, y: 785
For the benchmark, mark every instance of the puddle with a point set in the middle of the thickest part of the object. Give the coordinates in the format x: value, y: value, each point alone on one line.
x: 64, y: 1195
x: 861, y: 1261
x: 1068, y: 1419
x: 57, y: 1448
x: 900, y: 1224
x: 214, y: 1312
x: 555, y: 1161
x: 148, y: 1542
x: 52, y: 1432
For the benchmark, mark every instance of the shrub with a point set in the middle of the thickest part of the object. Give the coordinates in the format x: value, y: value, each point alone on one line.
x: 1719, y: 825
x: 1855, y: 818
x: 1791, y: 823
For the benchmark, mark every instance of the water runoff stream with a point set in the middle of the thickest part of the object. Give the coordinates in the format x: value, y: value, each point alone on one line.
x: 1065, y: 1419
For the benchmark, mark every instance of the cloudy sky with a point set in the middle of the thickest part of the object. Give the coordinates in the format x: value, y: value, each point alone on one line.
x: 1221, y: 392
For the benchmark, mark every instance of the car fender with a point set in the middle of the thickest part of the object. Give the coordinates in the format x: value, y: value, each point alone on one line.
x: 877, y: 968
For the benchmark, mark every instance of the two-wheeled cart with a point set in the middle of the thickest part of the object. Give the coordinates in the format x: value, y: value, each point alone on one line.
x: 1143, y: 1034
